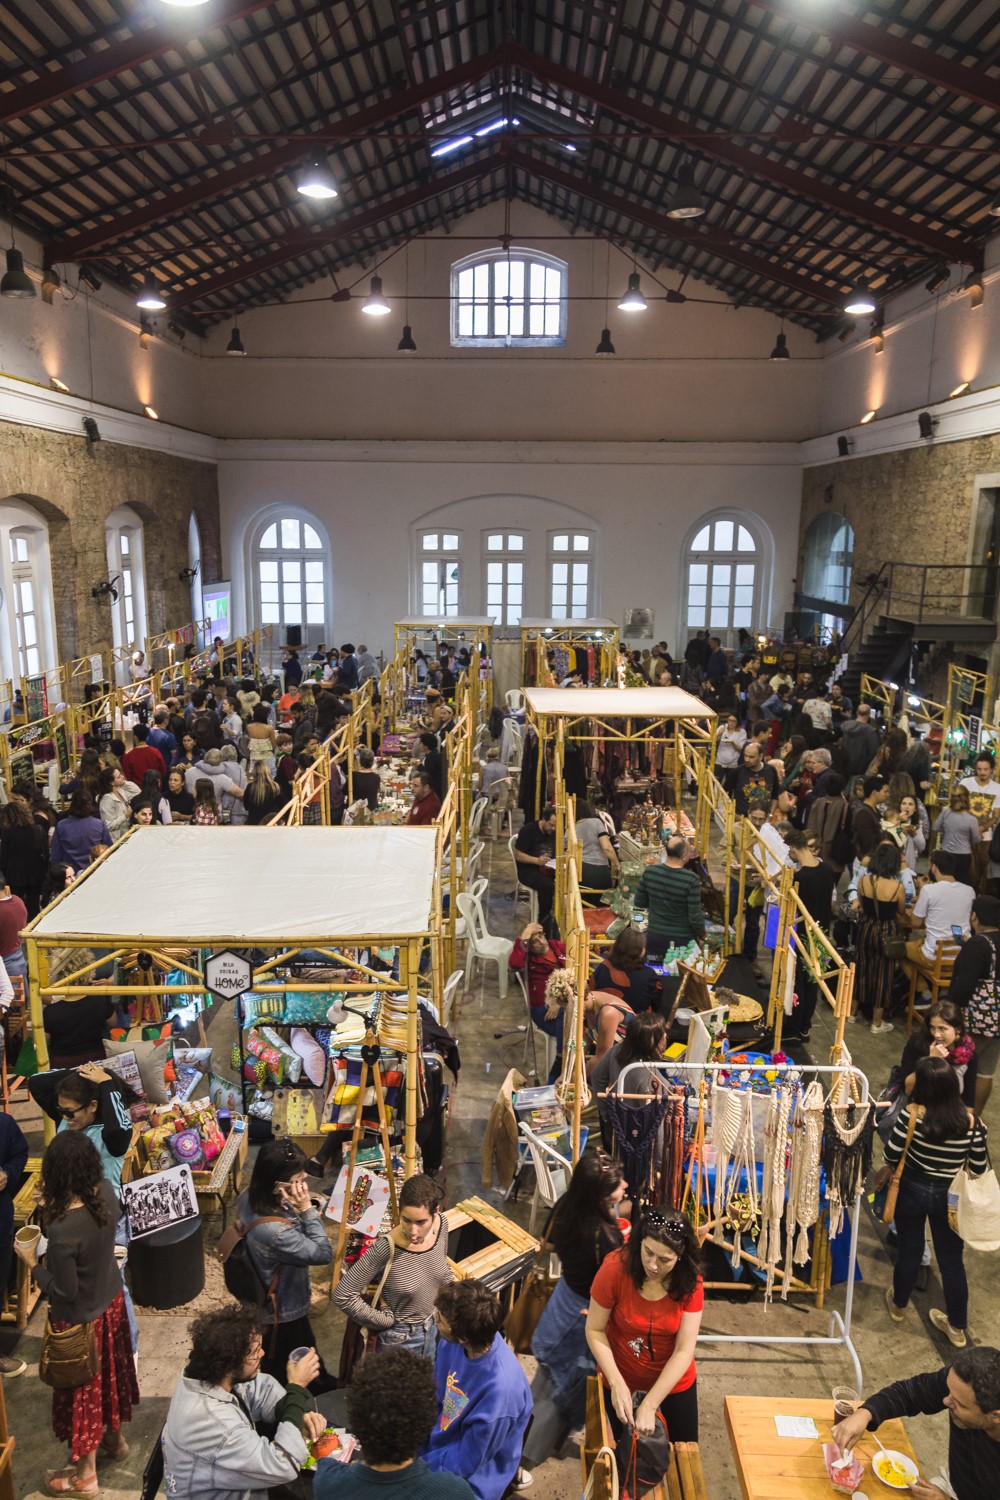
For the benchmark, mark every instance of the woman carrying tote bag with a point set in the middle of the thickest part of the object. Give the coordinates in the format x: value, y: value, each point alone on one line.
x: 87, y: 1352
x: 943, y: 1137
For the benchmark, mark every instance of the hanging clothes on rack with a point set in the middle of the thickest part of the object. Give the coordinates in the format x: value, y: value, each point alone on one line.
x: 671, y: 1185
x: 635, y: 1129
x: 772, y: 1201
x: 847, y: 1152
x: 529, y: 772
x: 802, y: 1209
x: 732, y: 1118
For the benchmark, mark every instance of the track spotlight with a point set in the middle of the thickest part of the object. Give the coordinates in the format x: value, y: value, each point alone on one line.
x: 938, y: 278
x: 145, y: 331
x: 869, y: 416
x: 90, y: 279
x: 632, y: 298
x: 878, y: 340
x: 235, y: 345
x: 59, y: 385
x: 687, y: 202
x: 860, y: 301
x: 375, y: 304
x: 316, y: 181
x: 605, y: 346
x: 406, y: 344
x: 92, y: 430
x: 960, y: 390
x: 780, y: 350
x: 927, y: 424
x: 149, y: 296
x: 974, y: 286
x: 151, y: 413
x: 50, y: 284
x: 844, y: 446
x: 16, y: 282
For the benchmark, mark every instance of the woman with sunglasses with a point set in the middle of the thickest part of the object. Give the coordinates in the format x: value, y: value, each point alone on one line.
x: 285, y: 1236
x: 645, y: 1312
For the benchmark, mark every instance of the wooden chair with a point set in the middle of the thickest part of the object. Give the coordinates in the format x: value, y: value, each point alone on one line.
x: 685, y: 1479
x: 936, y: 975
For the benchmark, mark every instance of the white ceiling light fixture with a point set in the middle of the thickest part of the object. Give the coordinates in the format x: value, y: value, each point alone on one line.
x: 316, y: 181
x: 150, y: 298
x: 687, y: 202
x: 632, y: 299
x: 861, y: 301
x: 375, y: 304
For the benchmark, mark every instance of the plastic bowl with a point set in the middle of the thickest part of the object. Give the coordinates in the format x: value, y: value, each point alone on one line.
x: 906, y: 1464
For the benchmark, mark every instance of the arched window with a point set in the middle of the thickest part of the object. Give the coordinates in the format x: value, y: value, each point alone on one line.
x: 723, y: 578
x: 27, y: 626
x: 290, y: 576
x: 504, y: 564
x: 571, y: 575
x: 828, y: 557
x: 194, y: 562
x: 508, y: 297
x: 127, y: 571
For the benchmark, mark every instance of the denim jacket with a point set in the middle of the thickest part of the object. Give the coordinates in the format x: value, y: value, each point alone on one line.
x: 211, y: 1451
x: 290, y: 1249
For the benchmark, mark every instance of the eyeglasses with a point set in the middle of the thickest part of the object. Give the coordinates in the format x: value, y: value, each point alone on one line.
x: 68, y: 1114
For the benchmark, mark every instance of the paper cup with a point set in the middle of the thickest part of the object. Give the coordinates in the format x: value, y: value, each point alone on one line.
x: 28, y: 1236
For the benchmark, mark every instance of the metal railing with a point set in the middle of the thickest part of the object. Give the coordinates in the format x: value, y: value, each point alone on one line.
x: 921, y: 591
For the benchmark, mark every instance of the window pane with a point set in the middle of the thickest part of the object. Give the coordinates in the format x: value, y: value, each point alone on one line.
x: 696, y: 616
x: 719, y: 617
x: 723, y: 536
x: 124, y: 543
x: 269, y: 614
x: 721, y: 574
x: 430, y: 541
x: 33, y: 662
x: 746, y: 541
x: 465, y: 282
x: 744, y: 572
x: 581, y: 543
x: 742, y: 617
x: 27, y: 595
x: 698, y: 572
x: 494, y: 572
x: 430, y: 572
x: 515, y: 543
x: 450, y: 541
x: 314, y: 572
x: 514, y: 614
x: 315, y: 614
x: 742, y: 596
x: 268, y: 572
x: 311, y: 535
x: 290, y: 531
x: 516, y: 327
x: 269, y: 593
x: 697, y: 595
x: 494, y: 542
x: 581, y: 571
x: 558, y: 600
x: 293, y: 613
x: 579, y: 612
x: 291, y: 570
x: 494, y: 596
x: 465, y: 320
x: 270, y: 539
x: 314, y: 593
x: 700, y: 543
x: 30, y: 634
x: 536, y: 319
x: 292, y: 593
x: 560, y: 543
x: 515, y: 572
x: 481, y: 320
x: 560, y: 572
x: 579, y: 593
x: 514, y: 594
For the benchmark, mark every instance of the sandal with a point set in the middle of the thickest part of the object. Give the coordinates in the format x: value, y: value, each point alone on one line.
x: 68, y: 1482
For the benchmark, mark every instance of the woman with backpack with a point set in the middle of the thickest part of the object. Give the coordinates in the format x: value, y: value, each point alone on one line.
x: 284, y: 1236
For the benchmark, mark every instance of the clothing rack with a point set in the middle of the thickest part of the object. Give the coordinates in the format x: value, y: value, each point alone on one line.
x: 839, y: 1336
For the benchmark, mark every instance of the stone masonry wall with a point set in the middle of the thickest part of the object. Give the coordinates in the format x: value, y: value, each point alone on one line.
x: 75, y: 486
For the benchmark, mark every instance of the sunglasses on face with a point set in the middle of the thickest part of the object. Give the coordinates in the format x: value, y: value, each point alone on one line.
x: 69, y: 1114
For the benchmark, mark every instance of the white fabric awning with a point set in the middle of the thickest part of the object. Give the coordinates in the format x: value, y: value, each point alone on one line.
x: 445, y: 622
x: 582, y: 627
x: 253, y: 885
x: 618, y: 703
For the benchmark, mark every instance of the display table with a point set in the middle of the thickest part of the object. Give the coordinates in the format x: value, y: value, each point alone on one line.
x: 770, y: 1467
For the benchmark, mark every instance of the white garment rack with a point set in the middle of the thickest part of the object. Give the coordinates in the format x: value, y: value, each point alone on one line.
x: 839, y: 1336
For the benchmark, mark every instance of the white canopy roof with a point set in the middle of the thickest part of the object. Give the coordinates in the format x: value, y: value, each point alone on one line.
x: 583, y: 627
x: 618, y: 703
x: 445, y: 622
x: 252, y: 885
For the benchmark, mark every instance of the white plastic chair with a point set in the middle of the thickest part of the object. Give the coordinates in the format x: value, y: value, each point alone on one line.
x: 483, y: 947
x: 519, y: 885
x: 476, y: 890
x: 514, y: 700
x: 470, y: 866
x: 448, y: 996
x: 534, y: 1033
x: 552, y: 1173
x: 475, y: 820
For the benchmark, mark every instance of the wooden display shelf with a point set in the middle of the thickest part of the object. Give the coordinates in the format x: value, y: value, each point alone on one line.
x: 19, y: 1303
x: 510, y: 1244
x: 223, y: 1176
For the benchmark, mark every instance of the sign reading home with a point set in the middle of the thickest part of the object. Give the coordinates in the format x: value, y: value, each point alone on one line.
x: 227, y: 975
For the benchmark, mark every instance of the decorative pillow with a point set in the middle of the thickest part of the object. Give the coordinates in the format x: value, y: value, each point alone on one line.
x: 192, y: 1057
x: 255, y: 1071
x: 261, y: 1106
x: 306, y: 1009
x: 263, y: 1008
x: 187, y: 1149
x: 272, y: 1057
x: 324, y: 1036
x: 293, y: 1062
x: 157, y: 1144
x: 152, y: 1058
x: 223, y: 1093
x: 312, y: 1055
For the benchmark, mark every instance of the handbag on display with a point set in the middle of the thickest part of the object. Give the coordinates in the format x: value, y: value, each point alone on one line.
x: 889, y: 1211
x: 531, y: 1301
x: 974, y: 1204
x: 982, y: 1013
x: 69, y: 1356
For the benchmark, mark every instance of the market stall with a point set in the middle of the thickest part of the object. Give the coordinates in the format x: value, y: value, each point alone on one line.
x: 586, y: 646
x: 335, y: 892
x: 428, y: 633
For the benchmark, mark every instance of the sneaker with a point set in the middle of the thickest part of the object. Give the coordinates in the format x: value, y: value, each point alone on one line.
x: 11, y: 1366
x: 851, y: 1020
x: 895, y: 1313
x: 882, y: 1030
x: 955, y: 1336
x: 523, y: 1479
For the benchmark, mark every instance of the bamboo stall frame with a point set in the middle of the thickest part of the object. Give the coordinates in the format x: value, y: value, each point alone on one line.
x: 573, y: 634
x: 457, y: 630
x: 282, y: 950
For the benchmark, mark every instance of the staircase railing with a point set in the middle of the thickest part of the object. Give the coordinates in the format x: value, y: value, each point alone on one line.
x: 916, y: 592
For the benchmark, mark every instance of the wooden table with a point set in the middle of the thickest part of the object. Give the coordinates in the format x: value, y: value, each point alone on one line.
x: 776, y: 1468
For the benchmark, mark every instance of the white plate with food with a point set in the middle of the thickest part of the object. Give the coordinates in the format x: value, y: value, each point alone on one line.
x: 894, y: 1469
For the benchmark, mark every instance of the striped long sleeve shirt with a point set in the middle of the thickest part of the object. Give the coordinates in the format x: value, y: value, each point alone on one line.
x: 937, y: 1159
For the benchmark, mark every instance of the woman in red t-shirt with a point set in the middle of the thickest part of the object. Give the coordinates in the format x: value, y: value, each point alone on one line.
x: 645, y: 1312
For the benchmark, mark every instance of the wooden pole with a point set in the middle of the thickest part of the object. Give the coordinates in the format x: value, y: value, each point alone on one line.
x: 409, y: 961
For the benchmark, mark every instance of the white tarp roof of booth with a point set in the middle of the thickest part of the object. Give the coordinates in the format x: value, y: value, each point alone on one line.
x: 582, y: 626
x: 254, y: 884
x: 449, y: 622
x: 618, y: 703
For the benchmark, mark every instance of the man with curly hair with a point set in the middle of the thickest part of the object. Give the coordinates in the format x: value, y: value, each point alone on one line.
x: 391, y: 1408
x: 211, y: 1448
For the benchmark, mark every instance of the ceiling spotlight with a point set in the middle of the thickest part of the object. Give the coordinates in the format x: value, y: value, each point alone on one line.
x: 184, y: 4
x: 50, y: 284
x: 145, y: 331
x: 58, y: 385
x: 994, y: 207
x: 878, y: 340
x: 149, y: 296
x: 780, y: 350
x: 605, y: 346
x: 406, y: 344
x: 92, y: 430
x: 375, y: 304
x: 869, y: 416
x: 151, y: 413
x: 927, y: 424
x: 235, y: 345
x: 974, y: 286
x: 687, y: 202
x: 938, y: 278
x: 316, y: 181
x: 16, y: 282
x: 844, y: 446
x: 860, y: 301
x: 960, y: 390
x: 632, y: 298
x: 89, y: 278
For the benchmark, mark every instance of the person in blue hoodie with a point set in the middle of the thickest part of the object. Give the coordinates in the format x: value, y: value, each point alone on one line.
x: 484, y: 1397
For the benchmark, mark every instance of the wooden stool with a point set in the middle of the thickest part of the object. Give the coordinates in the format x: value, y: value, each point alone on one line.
x: 937, y: 976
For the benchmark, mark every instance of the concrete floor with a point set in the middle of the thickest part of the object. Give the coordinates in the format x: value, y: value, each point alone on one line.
x: 487, y: 1028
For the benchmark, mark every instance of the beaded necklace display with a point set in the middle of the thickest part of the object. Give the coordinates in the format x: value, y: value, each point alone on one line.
x: 847, y: 1149
x: 733, y: 1110
x: 772, y: 1201
x: 802, y: 1209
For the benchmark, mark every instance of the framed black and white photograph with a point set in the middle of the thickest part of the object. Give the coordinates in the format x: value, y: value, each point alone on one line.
x: 638, y: 624
x: 153, y: 1203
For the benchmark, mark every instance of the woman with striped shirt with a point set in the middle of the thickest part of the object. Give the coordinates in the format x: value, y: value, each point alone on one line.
x: 946, y: 1136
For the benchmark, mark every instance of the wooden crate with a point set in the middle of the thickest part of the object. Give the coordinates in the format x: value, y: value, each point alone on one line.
x: 223, y: 1176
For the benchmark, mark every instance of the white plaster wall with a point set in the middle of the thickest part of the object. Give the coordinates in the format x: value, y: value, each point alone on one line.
x: 643, y: 499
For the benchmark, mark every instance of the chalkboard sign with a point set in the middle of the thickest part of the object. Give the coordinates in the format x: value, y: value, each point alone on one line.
x: 62, y: 748
x: 22, y: 771
x: 36, y: 698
